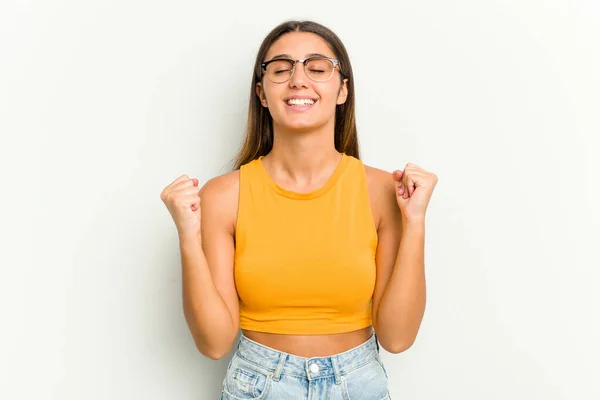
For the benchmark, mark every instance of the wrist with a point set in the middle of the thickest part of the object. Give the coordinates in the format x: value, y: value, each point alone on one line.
x: 413, y: 223
x: 189, y: 237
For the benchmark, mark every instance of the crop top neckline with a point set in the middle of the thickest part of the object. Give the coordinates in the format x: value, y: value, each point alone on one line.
x: 335, y: 176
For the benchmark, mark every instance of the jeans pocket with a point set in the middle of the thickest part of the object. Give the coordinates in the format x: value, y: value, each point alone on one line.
x: 245, y: 382
x: 367, y: 382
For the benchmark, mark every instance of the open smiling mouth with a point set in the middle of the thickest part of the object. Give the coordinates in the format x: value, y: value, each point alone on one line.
x: 300, y: 104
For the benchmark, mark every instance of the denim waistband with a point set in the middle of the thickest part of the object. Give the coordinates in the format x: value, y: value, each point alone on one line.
x: 278, y: 363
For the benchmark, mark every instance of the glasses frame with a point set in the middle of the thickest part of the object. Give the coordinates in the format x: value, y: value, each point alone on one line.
x: 335, y: 62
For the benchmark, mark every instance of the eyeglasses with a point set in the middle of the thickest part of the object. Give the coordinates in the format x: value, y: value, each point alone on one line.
x: 318, y: 69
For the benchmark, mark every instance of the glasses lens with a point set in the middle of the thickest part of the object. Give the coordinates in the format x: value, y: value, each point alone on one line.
x: 279, y: 70
x: 319, y: 69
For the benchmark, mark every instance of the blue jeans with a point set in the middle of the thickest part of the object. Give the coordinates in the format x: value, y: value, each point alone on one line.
x: 260, y: 372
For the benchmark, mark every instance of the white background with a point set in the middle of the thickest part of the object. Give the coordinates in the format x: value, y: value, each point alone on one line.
x: 103, y: 103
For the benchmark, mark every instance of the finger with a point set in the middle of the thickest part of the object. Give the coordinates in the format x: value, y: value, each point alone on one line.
x: 180, y: 179
x: 411, y: 186
x: 180, y: 195
x: 397, y: 174
x: 184, y: 184
x: 190, y: 199
x: 167, y: 190
x: 405, y: 186
x: 196, y: 204
x: 188, y: 191
x: 410, y: 180
x: 414, y: 167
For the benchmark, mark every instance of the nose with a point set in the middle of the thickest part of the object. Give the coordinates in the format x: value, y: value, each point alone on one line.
x: 299, y: 77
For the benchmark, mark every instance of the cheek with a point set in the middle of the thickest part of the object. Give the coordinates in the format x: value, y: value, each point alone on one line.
x: 271, y: 92
x: 334, y: 91
x: 330, y: 97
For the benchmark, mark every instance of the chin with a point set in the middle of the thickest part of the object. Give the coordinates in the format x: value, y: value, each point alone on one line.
x: 300, y: 129
x: 301, y: 126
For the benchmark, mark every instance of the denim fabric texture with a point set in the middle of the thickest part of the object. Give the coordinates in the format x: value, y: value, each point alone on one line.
x: 260, y: 372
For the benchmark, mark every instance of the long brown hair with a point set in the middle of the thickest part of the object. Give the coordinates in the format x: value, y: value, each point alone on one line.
x: 259, y: 129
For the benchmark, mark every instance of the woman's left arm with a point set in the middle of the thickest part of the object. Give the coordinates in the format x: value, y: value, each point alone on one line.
x: 400, y: 290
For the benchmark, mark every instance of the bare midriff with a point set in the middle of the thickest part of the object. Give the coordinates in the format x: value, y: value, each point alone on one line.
x: 311, y: 345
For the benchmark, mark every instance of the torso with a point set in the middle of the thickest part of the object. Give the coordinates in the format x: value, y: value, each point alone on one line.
x: 325, y: 345
x: 313, y: 345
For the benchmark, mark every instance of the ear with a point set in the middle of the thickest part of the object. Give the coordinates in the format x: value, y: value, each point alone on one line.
x: 343, y: 93
x: 260, y: 92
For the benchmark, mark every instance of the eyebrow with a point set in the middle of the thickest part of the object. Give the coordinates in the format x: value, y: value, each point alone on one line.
x: 307, y: 56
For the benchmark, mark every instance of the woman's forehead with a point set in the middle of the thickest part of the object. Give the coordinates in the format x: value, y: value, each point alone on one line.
x: 299, y: 45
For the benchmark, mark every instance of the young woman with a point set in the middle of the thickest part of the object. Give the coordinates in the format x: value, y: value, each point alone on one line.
x: 303, y: 247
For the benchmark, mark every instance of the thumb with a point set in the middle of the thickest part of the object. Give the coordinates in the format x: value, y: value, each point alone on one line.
x: 397, y: 174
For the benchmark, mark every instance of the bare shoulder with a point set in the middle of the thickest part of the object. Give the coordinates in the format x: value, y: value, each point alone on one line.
x: 221, y: 195
x: 382, y: 193
x: 221, y: 185
x: 381, y: 184
x: 378, y: 176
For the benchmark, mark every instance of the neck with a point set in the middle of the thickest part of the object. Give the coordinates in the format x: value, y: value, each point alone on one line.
x: 302, y: 156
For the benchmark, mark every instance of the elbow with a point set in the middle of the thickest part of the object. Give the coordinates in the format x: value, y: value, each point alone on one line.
x: 397, y: 347
x: 215, y: 351
x: 214, y: 355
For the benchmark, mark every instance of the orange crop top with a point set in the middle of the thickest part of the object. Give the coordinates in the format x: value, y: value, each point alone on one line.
x: 305, y: 262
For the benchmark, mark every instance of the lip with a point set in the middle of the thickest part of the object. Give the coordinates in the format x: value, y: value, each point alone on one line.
x: 299, y: 108
x: 300, y: 98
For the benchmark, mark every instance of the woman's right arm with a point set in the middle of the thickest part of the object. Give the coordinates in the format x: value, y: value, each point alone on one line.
x: 210, y: 301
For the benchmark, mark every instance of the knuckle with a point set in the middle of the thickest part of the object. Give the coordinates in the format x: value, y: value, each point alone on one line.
x: 172, y: 198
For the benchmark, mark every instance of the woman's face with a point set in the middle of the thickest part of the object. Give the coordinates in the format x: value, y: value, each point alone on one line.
x: 278, y: 97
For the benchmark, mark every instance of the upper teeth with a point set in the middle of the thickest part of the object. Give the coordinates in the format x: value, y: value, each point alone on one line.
x: 301, y: 102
